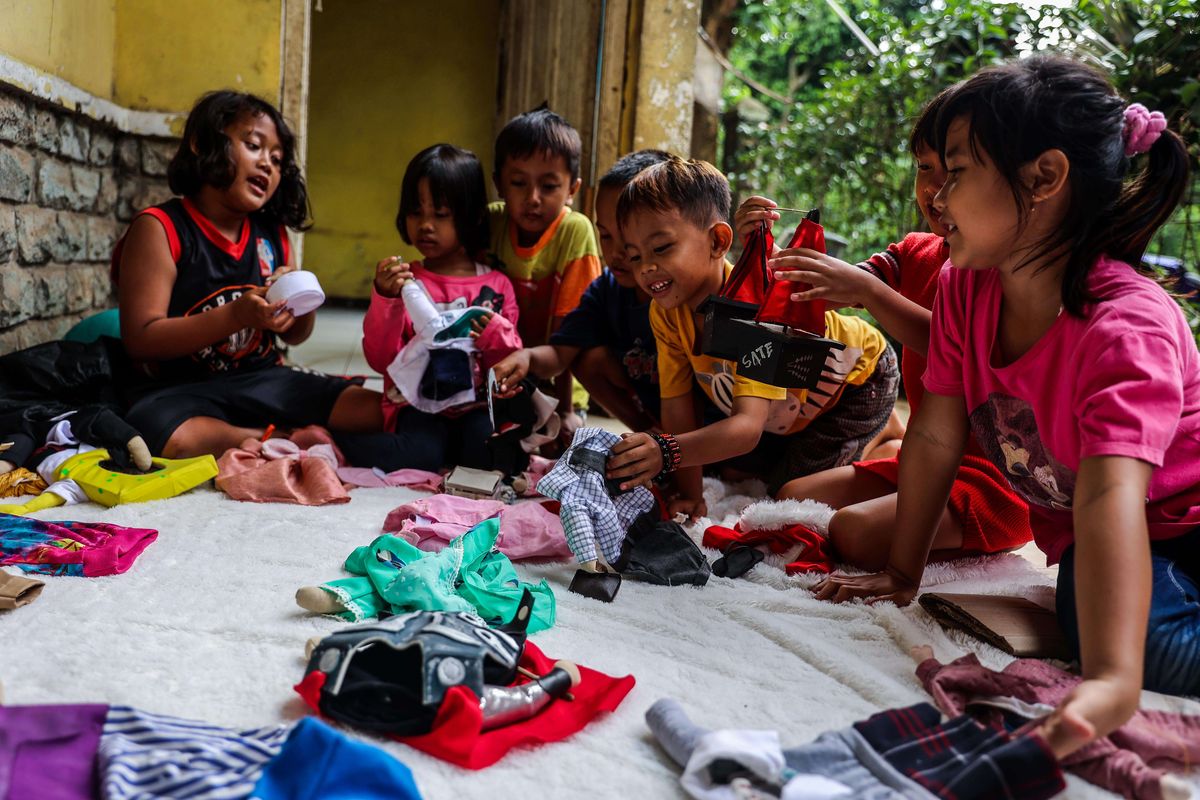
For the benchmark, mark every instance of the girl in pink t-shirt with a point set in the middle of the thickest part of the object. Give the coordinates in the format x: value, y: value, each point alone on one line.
x: 443, y: 213
x: 1078, y: 377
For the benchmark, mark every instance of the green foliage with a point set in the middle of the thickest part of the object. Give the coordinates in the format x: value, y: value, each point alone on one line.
x: 841, y: 143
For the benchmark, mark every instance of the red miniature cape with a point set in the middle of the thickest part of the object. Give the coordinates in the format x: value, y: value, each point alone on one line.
x: 457, y: 736
x: 778, y: 307
x: 749, y: 281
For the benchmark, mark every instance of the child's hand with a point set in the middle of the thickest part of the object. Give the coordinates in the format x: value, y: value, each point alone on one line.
x: 479, y: 323
x: 877, y: 588
x: 753, y: 211
x: 832, y: 279
x: 1069, y: 726
x: 252, y: 310
x: 279, y: 271
x: 635, y: 460
x: 510, y: 371
x: 571, y: 422
x: 391, y: 275
x: 694, y: 509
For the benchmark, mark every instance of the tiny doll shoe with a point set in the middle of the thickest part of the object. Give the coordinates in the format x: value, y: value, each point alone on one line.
x: 737, y: 561
x: 600, y: 586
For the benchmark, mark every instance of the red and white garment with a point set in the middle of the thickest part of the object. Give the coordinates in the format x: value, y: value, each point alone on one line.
x: 795, y: 530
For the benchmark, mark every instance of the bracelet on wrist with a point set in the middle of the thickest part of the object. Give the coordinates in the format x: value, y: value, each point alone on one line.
x: 671, y: 454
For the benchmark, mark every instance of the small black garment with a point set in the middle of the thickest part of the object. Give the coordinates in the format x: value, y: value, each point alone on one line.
x: 737, y: 560
x: 40, y: 384
x: 392, y: 676
x: 448, y: 373
x: 660, y: 551
x: 513, y: 419
x: 597, y: 462
x: 602, y: 586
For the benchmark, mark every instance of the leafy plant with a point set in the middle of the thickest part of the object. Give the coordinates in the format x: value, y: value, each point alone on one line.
x: 833, y: 130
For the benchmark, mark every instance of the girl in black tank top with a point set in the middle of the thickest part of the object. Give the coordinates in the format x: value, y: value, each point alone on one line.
x: 191, y: 275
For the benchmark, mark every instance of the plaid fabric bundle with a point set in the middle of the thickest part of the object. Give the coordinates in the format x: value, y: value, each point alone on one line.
x: 960, y: 759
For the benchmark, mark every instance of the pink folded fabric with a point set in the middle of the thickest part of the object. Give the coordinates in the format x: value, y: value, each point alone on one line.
x: 374, y: 478
x: 275, y: 449
x: 527, y: 529
x: 538, y: 467
x: 64, y: 547
x: 275, y: 473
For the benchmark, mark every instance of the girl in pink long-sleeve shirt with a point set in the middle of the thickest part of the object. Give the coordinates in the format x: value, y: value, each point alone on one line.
x: 443, y: 213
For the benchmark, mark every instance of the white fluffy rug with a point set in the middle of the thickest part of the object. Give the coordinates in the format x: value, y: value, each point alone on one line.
x: 205, y: 626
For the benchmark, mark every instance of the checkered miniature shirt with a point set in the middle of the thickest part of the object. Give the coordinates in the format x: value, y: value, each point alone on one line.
x: 960, y: 759
x: 590, y: 517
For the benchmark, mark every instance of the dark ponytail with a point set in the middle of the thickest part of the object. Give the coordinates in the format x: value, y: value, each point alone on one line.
x: 1019, y: 110
x: 1147, y: 201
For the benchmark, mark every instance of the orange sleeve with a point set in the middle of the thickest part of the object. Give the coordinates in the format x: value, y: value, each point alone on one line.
x: 577, y: 276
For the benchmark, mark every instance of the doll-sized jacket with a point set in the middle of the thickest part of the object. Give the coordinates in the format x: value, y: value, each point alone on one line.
x: 392, y: 328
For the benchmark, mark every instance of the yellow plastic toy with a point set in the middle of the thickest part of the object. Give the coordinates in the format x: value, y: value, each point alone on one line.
x: 103, y: 483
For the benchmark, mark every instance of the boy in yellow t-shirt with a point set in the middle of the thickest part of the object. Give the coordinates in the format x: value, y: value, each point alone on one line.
x: 546, y: 249
x: 673, y: 221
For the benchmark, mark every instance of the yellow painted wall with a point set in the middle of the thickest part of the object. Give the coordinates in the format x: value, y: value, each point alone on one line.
x: 169, y: 52
x: 387, y: 80
x: 155, y: 55
x: 71, y: 39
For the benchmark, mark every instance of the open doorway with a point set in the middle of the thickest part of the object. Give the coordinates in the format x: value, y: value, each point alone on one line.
x: 386, y: 80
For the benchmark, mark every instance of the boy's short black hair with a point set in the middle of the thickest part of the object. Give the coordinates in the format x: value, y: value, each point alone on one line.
x: 203, y: 157
x: 627, y: 166
x: 455, y: 182
x: 695, y: 188
x: 539, y: 132
x: 925, y: 130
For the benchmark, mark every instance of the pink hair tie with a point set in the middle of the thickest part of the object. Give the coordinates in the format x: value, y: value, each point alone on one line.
x: 1142, y: 128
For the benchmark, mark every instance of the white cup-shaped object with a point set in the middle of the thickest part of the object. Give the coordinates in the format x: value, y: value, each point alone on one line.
x: 300, y: 289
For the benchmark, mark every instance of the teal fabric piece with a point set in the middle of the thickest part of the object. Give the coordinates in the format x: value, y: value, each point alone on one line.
x: 89, y: 329
x: 469, y: 574
x: 359, y: 597
x: 461, y: 327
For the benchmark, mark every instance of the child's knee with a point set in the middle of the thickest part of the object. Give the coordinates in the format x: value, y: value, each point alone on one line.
x: 184, y: 442
x: 851, y: 534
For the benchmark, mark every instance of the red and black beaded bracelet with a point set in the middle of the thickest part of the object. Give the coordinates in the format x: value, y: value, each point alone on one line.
x: 671, y: 454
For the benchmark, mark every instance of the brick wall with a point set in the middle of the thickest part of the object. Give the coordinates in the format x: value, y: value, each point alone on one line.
x: 69, y: 185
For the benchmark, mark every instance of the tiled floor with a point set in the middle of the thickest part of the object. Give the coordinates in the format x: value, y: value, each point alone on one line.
x: 336, y: 346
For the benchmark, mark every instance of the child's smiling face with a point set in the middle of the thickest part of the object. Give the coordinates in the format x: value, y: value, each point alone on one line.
x: 535, y: 189
x: 976, y: 206
x: 257, y: 156
x: 612, y: 247
x: 431, y: 227
x: 930, y: 177
x: 676, y: 261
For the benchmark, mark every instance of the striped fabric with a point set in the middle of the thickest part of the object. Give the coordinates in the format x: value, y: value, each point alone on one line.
x: 145, y: 756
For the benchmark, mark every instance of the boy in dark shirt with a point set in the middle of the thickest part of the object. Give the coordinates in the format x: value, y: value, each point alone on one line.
x: 606, y: 342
